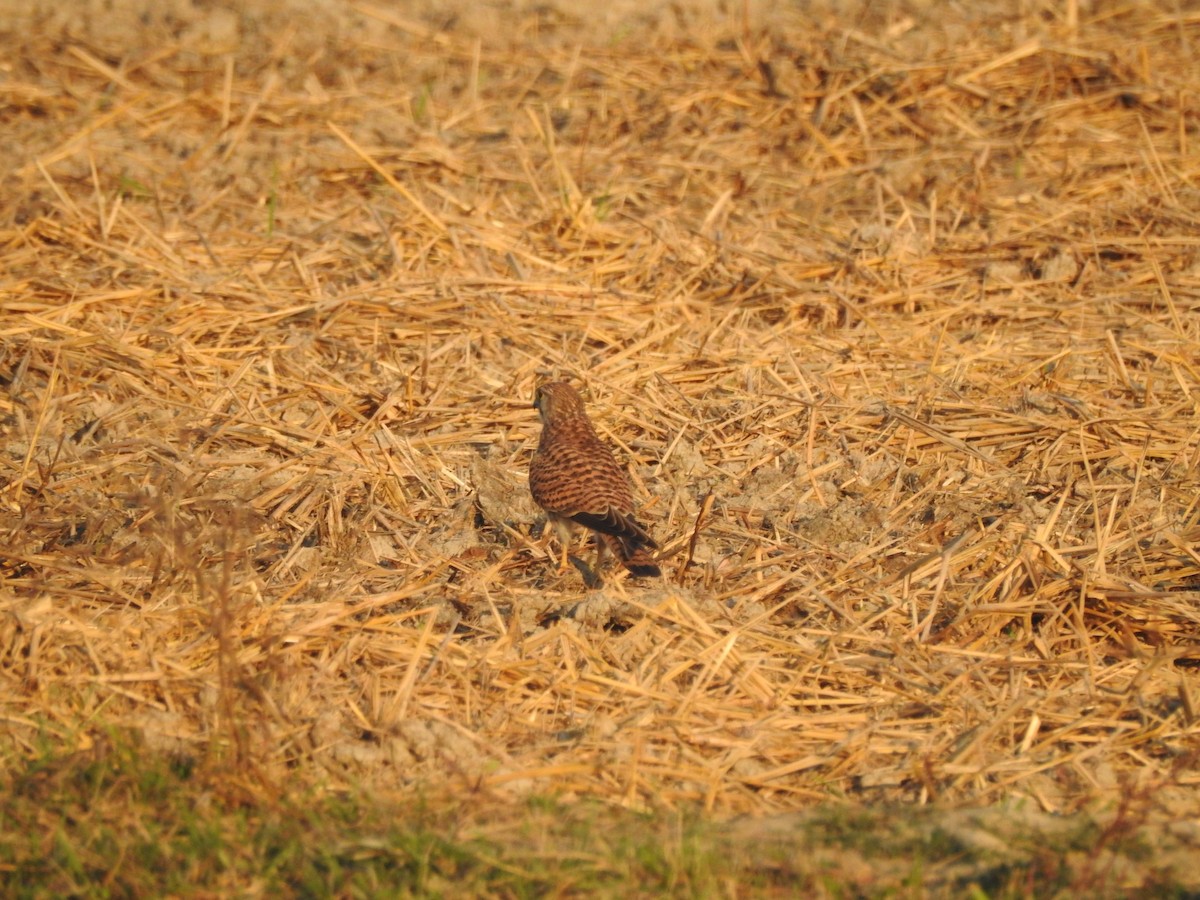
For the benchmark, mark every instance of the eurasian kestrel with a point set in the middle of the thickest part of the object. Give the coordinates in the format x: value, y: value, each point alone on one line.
x: 576, y: 480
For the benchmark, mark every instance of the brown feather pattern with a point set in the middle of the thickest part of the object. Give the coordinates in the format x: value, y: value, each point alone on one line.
x: 574, y: 477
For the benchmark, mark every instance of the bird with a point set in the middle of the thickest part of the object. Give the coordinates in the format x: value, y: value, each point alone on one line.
x: 575, y: 478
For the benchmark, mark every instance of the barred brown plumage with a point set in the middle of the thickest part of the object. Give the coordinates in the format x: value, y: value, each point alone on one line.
x: 575, y: 479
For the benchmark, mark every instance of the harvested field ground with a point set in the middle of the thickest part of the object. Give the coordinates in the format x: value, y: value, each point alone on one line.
x: 891, y: 309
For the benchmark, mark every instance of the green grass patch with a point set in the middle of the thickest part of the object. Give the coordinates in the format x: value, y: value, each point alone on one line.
x: 119, y: 820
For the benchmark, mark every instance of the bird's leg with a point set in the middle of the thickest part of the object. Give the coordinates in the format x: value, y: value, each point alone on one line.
x: 563, y: 528
x: 601, y: 551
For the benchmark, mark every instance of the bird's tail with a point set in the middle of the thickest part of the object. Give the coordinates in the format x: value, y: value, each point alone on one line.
x: 635, y: 555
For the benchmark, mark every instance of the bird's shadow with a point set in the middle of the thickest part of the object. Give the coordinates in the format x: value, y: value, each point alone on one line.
x: 591, y: 579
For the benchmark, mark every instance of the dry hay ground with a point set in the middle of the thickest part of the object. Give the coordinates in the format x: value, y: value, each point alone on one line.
x: 892, y: 313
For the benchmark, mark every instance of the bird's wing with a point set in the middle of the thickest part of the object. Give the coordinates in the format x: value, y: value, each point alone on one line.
x: 618, y: 524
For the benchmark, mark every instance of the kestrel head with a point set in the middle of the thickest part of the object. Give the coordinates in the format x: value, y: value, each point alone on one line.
x: 557, y: 401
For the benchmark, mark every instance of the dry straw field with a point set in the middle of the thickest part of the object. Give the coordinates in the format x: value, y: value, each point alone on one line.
x: 890, y: 308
